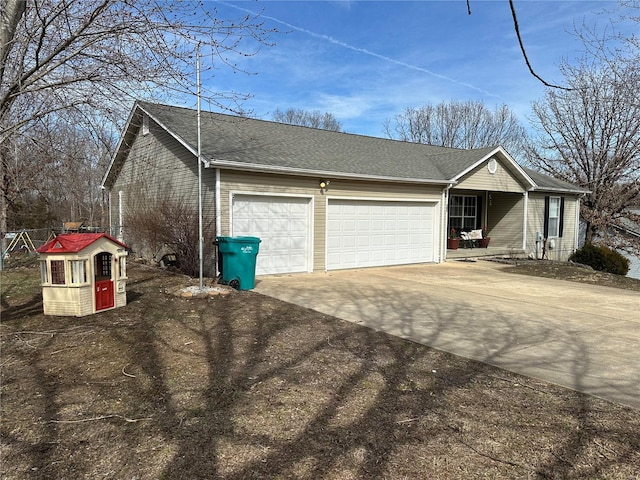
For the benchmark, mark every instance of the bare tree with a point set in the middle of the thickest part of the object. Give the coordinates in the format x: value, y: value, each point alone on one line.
x: 590, y: 136
x: 93, y: 57
x: 315, y: 119
x: 455, y: 124
x: 54, y: 172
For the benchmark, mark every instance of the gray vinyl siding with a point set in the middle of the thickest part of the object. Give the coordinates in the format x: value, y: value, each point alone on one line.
x: 481, y: 179
x: 158, y: 165
x: 247, y: 183
x: 505, y: 220
x: 565, y: 245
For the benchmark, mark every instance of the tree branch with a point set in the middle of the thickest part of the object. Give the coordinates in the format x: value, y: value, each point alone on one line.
x: 524, y: 53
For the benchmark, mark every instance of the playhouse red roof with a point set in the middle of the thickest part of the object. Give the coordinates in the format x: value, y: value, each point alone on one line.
x: 74, y: 242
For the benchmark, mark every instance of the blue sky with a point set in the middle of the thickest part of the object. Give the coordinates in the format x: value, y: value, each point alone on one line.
x: 366, y: 61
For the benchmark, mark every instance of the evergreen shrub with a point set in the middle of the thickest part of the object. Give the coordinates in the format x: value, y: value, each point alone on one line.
x: 602, y: 258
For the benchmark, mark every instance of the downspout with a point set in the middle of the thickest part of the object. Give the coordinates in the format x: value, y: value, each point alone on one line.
x: 218, y: 216
x: 120, y: 234
x: 444, y: 222
x: 576, y: 235
x: 525, y: 222
x: 108, y: 209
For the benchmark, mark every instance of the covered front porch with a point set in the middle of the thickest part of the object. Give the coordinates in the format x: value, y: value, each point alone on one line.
x: 490, y: 196
x: 499, y: 215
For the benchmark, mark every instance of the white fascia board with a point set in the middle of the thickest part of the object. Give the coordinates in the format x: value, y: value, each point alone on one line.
x: 321, y: 173
x: 508, y: 157
x: 180, y: 140
x: 575, y: 191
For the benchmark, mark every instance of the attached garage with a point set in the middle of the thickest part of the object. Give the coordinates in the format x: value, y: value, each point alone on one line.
x: 373, y: 233
x: 282, y: 223
x: 322, y: 200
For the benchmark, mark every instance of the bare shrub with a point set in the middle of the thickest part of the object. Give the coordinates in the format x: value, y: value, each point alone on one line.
x: 169, y: 224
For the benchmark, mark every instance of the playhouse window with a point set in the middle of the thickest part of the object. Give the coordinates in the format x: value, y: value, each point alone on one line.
x: 57, y: 272
x: 78, y: 271
x: 122, y: 267
x: 44, y: 277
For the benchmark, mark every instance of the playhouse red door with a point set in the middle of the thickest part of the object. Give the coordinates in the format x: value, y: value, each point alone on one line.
x: 103, y: 284
x: 104, y: 294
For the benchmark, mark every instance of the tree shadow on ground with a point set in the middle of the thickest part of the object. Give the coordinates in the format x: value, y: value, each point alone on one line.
x: 247, y: 386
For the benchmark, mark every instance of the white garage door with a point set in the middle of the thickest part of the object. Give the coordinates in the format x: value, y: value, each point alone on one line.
x: 283, y: 225
x: 376, y: 233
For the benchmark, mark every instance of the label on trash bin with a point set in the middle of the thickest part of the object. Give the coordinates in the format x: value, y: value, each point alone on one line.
x: 246, y: 249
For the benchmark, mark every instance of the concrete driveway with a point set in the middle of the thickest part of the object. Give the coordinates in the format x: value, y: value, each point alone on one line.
x: 580, y: 336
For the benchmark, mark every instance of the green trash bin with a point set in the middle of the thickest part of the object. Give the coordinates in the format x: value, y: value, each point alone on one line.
x: 238, y: 261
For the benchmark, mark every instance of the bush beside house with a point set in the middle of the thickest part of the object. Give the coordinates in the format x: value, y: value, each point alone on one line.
x: 601, y: 258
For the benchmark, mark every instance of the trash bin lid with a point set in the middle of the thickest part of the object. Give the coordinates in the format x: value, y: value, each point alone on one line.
x: 238, y: 239
x: 246, y: 239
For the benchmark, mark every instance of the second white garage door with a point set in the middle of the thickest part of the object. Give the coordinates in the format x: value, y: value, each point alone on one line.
x: 283, y: 226
x: 362, y: 233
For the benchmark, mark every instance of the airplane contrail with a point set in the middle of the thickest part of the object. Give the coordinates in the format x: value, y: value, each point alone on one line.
x: 362, y: 50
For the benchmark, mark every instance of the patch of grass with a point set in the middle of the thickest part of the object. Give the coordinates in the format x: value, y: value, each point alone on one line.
x: 246, y: 386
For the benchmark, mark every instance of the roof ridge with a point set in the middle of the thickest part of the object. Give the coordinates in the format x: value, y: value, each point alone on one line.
x: 237, y: 142
x: 295, y: 126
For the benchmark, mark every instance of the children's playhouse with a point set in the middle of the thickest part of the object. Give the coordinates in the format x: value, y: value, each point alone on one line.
x: 83, y: 273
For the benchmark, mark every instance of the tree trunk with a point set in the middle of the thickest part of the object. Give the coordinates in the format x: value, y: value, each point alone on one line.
x: 3, y: 200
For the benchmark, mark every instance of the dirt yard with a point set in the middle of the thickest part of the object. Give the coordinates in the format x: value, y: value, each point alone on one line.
x: 246, y: 387
x: 572, y: 273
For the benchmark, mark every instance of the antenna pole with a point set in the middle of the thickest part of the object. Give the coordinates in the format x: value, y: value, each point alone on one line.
x: 200, y: 234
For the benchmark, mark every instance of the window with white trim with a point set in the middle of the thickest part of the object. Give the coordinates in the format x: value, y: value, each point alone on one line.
x: 463, y: 211
x: 44, y: 273
x: 122, y: 267
x: 554, y: 217
x: 78, y: 272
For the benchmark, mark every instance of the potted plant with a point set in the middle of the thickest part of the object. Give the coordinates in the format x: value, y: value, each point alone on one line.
x: 453, y: 242
x: 484, y: 243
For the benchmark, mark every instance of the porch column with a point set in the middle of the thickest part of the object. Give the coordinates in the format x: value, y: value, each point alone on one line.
x: 525, y: 222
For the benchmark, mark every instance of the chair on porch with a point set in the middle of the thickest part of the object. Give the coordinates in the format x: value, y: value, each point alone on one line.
x: 472, y: 238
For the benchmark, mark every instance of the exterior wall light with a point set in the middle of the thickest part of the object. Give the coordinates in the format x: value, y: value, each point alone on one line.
x: 324, y: 184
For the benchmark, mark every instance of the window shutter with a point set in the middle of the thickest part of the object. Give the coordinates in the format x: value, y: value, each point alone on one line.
x: 561, y: 226
x: 479, y: 215
x: 546, y: 217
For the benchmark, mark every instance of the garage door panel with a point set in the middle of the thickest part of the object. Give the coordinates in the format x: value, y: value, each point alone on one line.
x: 364, y: 242
x: 283, y: 226
x: 386, y: 233
x: 348, y: 242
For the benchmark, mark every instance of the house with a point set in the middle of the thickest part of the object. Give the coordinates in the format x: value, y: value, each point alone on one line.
x: 322, y: 200
x: 82, y: 273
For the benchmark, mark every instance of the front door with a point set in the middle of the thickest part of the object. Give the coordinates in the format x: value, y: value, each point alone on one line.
x: 104, y: 288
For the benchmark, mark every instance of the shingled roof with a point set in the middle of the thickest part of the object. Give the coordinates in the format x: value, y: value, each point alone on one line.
x: 551, y: 184
x: 230, y: 141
